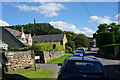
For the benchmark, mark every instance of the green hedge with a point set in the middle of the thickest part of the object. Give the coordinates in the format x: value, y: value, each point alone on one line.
x: 19, y: 49
x: 68, y: 49
x: 47, y: 46
x: 109, y: 49
x: 105, y: 38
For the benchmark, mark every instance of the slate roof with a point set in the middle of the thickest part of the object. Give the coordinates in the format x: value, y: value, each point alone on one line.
x: 1, y: 42
x: 11, y: 40
x: 16, y: 33
x: 48, y: 38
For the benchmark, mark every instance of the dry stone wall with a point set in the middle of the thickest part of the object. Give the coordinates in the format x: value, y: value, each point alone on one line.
x: 16, y: 60
x: 115, y: 54
x: 46, y: 56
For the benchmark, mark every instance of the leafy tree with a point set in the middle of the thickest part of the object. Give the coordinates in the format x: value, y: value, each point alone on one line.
x: 71, y: 44
x: 102, y: 28
x: 70, y: 37
x: 81, y: 41
x: 112, y: 31
x: 37, y: 29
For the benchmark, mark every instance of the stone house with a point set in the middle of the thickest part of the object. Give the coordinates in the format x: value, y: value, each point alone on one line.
x: 3, y: 45
x: 16, y: 39
x: 56, y: 38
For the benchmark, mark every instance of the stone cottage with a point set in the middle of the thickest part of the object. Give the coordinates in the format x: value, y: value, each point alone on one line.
x: 16, y: 39
x: 57, y: 38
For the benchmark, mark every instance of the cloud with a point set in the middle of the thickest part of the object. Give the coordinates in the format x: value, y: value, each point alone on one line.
x: 3, y: 23
x: 47, y: 9
x: 117, y: 17
x: 94, y: 18
x: 88, y: 32
x: 64, y: 26
x: 101, y: 20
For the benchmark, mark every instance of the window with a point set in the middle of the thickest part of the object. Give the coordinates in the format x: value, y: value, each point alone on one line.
x: 83, y: 67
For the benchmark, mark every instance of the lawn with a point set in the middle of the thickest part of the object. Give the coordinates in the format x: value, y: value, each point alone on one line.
x: 29, y: 74
x: 60, y: 59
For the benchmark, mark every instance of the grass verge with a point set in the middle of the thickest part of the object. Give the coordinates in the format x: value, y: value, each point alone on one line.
x: 60, y: 59
x: 29, y: 74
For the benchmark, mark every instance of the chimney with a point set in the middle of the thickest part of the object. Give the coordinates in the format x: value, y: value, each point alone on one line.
x: 34, y: 21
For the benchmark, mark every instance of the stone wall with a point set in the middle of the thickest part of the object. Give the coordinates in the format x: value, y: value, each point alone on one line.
x: 115, y: 54
x: 46, y: 56
x: 16, y: 60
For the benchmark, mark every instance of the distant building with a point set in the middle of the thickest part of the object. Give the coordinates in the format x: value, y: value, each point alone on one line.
x: 94, y: 42
x: 56, y: 38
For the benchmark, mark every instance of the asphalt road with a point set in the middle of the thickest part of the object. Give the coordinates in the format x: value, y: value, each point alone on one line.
x: 112, y: 67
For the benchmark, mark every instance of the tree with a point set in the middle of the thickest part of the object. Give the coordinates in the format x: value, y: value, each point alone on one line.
x: 37, y: 29
x: 81, y: 41
x: 102, y: 28
x: 107, y: 33
x: 70, y: 37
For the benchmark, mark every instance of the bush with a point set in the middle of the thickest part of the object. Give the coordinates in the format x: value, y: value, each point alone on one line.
x: 19, y: 49
x: 47, y: 47
x: 68, y: 49
x: 109, y: 49
x: 105, y: 38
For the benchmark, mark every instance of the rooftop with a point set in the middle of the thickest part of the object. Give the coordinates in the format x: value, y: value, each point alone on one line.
x: 52, y: 37
x: 83, y: 59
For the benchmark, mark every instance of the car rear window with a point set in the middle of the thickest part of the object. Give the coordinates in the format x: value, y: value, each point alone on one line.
x: 83, y: 67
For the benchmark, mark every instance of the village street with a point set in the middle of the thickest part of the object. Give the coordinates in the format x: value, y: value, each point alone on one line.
x: 112, y: 67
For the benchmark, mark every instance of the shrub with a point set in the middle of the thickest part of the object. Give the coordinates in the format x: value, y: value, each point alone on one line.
x: 47, y: 46
x: 109, y: 49
x: 19, y: 49
x: 68, y: 49
x: 105, y: 38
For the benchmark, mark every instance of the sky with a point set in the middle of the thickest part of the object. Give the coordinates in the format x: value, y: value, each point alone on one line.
x: 79, y: 17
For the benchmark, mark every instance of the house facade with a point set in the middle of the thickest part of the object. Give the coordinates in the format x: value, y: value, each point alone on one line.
x: 26, y: 39
x: 3, y: 45
x: 16, y: 39
x: 54, y: 38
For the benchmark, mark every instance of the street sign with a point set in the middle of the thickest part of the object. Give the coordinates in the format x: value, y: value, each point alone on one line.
x: 37, y: 57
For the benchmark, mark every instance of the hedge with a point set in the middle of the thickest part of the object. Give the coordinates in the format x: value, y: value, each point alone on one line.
x: 105, y: 38
x: 47, y: 46
x: 19, y: 49
x: 109, y: 49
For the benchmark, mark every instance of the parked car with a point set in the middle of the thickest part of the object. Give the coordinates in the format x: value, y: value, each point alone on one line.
x: 79, y: 52
x: 79, y: 68
x: 81, y: 49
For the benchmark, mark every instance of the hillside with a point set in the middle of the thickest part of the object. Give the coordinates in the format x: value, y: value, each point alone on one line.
x: 37, y: 29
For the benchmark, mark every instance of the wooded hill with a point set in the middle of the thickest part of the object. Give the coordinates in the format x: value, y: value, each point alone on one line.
x: 74, y: 40
x: 37, y: 29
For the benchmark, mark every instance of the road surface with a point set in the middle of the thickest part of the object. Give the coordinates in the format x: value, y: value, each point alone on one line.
x: 112, y: 67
